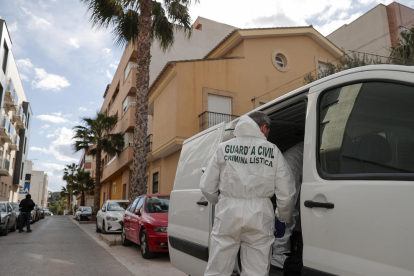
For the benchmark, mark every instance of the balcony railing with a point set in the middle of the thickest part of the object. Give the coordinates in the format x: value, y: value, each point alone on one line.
x: 127, y: 107
x: 110, y: 161
x: 11, y: 98
x: 148, y: 143
x: 19, y: 117
x: 113, y: 129
x: 128, y: 144
x: 4, y: 166
x: 14, y: 145
x: 208, y: 119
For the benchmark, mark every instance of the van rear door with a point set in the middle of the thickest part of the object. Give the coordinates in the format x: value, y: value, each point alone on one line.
x: 357, y: 191
x: 190, y: 214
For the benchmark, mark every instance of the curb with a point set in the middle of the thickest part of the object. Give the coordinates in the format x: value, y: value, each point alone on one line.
x: 110, y: 240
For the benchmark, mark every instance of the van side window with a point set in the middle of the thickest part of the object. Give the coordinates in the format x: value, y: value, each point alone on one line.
x: 367, y: 128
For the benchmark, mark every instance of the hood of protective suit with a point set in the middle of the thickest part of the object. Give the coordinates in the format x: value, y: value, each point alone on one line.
x: 247, y: 127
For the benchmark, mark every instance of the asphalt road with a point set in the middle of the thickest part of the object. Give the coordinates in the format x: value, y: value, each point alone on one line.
x: 55, y: 247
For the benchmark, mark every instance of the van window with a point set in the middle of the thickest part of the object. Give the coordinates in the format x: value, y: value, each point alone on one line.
x: 367, y: 128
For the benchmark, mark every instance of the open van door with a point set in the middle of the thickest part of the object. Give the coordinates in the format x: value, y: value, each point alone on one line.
x: 190, y: 214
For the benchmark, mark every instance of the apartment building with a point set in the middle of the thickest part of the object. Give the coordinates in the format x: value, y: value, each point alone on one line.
x: 120, y: 97
x: 248, y: 68
x: 376, y: 31
x: 36, y: 184
x: 85, y: 164
x: 14, y: 121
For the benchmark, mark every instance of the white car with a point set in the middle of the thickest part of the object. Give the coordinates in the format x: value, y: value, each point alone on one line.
x: 356, y: 197
x: 109, y: 218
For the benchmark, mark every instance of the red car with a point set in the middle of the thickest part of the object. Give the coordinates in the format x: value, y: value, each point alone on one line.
x: 145, y: 223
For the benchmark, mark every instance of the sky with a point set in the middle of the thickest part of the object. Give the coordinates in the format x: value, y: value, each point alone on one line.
x: 65, y: 65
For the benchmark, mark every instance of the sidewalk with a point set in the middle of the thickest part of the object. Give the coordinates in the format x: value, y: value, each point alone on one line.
x: 131, y: 257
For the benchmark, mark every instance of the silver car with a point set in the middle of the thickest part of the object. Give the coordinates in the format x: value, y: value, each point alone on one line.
x: 83, y: 213
x: 8, y: 218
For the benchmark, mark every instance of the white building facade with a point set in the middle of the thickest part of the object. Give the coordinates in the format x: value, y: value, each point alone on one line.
x: 36, y: 184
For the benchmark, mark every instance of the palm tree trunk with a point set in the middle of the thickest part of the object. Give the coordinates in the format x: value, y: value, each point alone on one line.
x: 97, y: 194
x: 70, y: 202
x: 139, y: 176
x: 83, y: 199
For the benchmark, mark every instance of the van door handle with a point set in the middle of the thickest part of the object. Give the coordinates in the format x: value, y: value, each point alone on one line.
x: 311, y: 204
x: 205, y: 203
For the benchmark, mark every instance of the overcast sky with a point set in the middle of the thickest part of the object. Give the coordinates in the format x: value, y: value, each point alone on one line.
x: 65, y: 65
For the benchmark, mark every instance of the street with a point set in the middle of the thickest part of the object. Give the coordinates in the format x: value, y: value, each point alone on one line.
x: 56, y: 246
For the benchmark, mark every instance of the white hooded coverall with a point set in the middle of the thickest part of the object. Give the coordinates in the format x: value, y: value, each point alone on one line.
x: 247, y: 170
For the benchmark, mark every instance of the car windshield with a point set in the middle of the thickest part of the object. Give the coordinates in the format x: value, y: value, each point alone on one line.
x: 86, y: 209
x: 2, y: 207
x: 117, y: 206
x: 155, y: 204
x: 15, y: 206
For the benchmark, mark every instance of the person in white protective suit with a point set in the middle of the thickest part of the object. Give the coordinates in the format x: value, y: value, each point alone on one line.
x: 242, y: 176
x: 281, y: 246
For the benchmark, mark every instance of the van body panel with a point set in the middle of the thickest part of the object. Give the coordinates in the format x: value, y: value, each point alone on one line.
x: 368, y: 232
x: 189, y: 221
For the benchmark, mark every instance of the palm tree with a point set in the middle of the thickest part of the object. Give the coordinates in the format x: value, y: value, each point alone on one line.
x: 138, y: 22
x: 68, y: 174
x: 96, y: 131
x: 64, y: 193
x: 83, y: 184
x: 404, y: 52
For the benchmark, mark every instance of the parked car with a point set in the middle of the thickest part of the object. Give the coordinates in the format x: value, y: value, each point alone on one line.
x: 16, y: 209
x: 38, y: 212
x: 8, y: 218
x: 47, y: 212
x: 109, y: 218
x: 357, y: 128
x: 83, y: 213
x: 33, y: 215
x: 42, y: 213
x: 145, y: 223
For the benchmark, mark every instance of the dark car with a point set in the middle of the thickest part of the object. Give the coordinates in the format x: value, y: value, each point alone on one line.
x: 145, y: 223
x: 83, y: 213
x: 8, y: 218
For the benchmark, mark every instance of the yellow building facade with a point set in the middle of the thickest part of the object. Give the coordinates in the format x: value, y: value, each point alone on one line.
x: 247, y: 69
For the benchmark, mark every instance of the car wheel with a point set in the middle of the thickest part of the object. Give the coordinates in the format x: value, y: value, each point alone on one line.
x: 145, y: 252
x: 5, y: 232
x: 14, y: 227
x: 103, y: 227
x: 124, y: 240
x: 97, y: 228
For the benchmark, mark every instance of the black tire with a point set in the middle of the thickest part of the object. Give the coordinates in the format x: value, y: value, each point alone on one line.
x: 124, y: 240
x: 5, y: 232
x: 14, y: 227
x: 145, y: 252
x: 103, y: 227
x: 97, y: 228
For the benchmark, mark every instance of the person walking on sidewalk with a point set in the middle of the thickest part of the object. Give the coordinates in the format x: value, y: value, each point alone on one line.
x: 26, y: 205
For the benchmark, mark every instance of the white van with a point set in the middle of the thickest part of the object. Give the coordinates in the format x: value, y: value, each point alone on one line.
x: 356, y: 199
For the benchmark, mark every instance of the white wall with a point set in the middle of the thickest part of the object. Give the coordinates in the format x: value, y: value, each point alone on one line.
x: 369, y: 26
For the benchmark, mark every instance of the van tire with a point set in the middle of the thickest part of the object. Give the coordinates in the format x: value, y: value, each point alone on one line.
x: 145, y: 252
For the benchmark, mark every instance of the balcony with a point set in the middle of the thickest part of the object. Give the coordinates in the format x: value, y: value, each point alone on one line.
x: 208, y: 119
x: 4, y: 166
x: 148, y: 143
x: 19, y: 118
x: 14, y: 145
x: 128, y: 144
x: 118, y: 164
x: 127, y: 107
x: 5, y: 129
x: 10, y: 98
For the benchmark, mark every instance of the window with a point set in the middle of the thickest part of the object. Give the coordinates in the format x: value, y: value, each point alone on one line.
x: 140, y: 204
x: 5, y: 56
x: 134, y: 205
x: 366, y: 128
x: 114, y: 188
x: 24, y: 147
x: 155, y: 183
x: 280, y: 60
x: 28, y: 118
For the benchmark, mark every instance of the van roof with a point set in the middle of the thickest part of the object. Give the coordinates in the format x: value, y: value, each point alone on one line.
x: 401, y: 68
